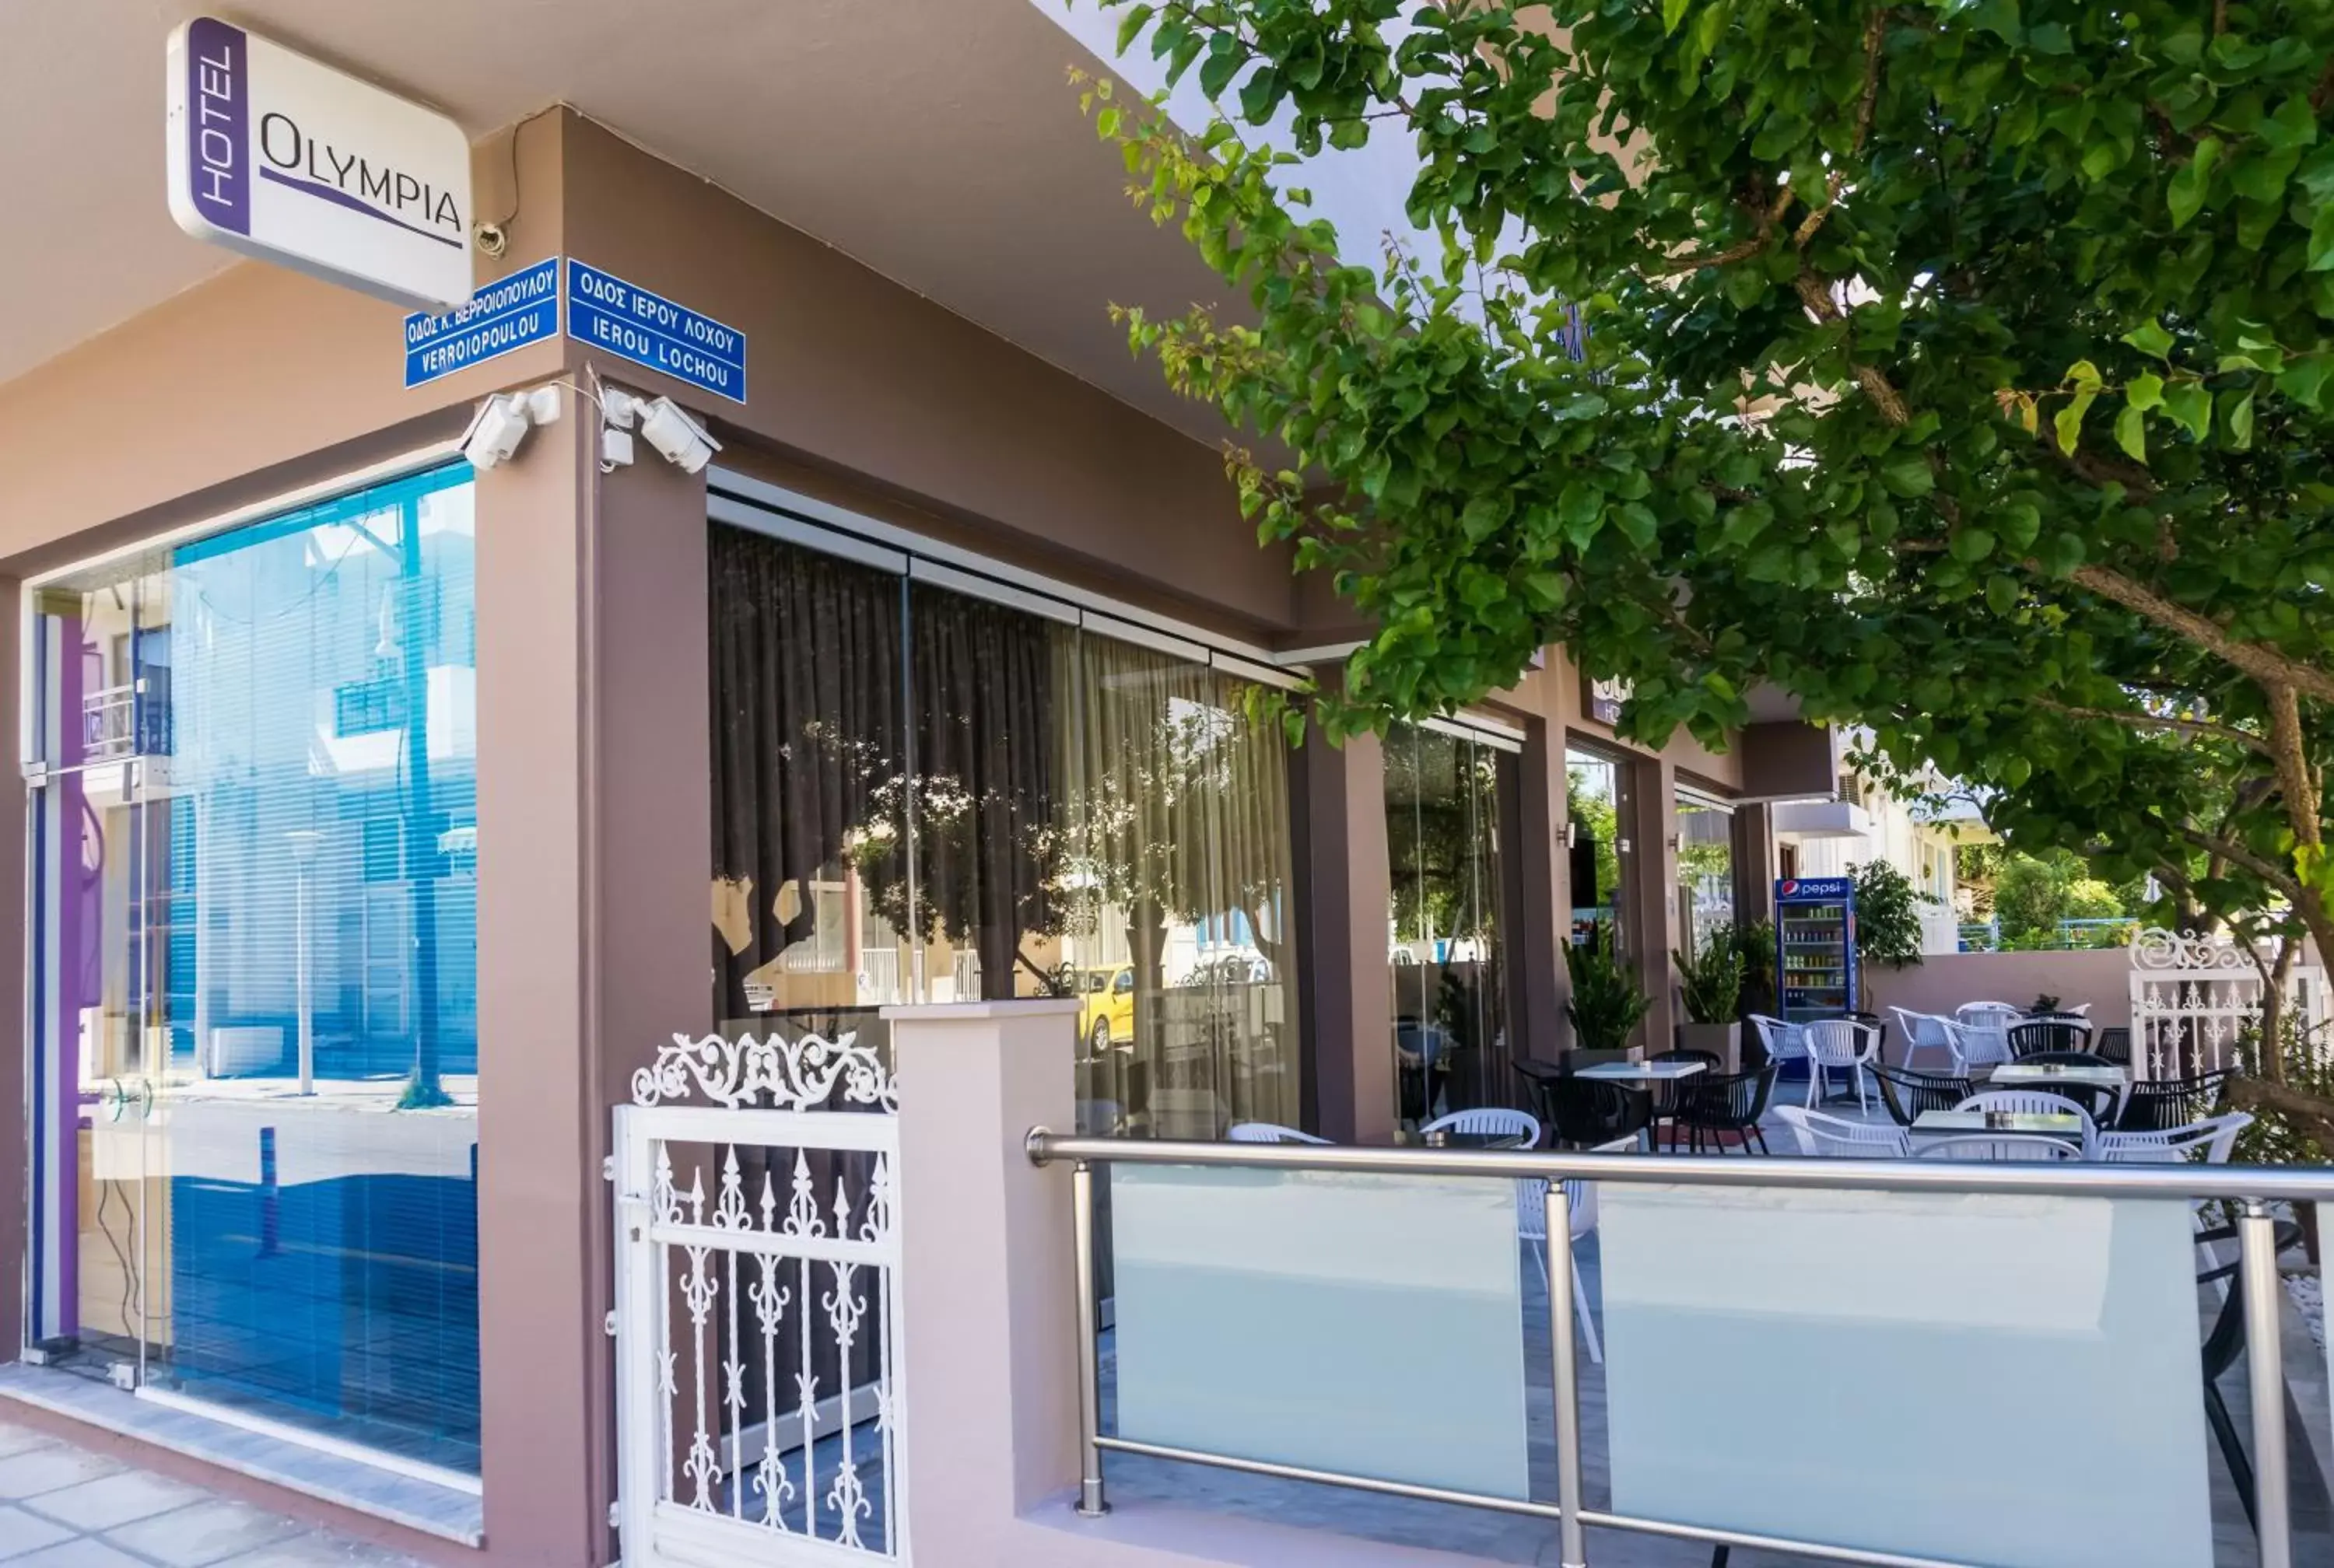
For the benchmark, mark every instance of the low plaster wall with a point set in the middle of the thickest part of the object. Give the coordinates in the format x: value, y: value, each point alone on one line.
x: 988, y: 1326
x: 2101, y: 977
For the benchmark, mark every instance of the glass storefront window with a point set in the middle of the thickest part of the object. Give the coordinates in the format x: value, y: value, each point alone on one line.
x: 1007, y: 805
x: 1443, y: 802
x: 1593, y: 796
x: 1705, y: 868
x: 255, y: 996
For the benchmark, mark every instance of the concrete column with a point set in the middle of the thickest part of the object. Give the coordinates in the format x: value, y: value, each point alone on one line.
x: 990, y: 1343
x: 1543, y: 922
x: 1650, y: 821
x: 1754, y: 864
x: 1346, y: 939
x: 541, y: 1363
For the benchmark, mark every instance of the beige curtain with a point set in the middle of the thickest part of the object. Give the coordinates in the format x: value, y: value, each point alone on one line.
x: 1178, y: 895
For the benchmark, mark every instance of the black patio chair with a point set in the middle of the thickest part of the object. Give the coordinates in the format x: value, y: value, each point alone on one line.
x: 2037, y: 1036
x: 2114, y: 1043
x: 1880, y: 1047
x: 2098, y: 1100
x: 1666, y: 1095
x: 1587, y: 1112
x: 1716, y: 1106
x: 1536, y: 1077
x: 2161, y: 1104
x: 1907, y: 1093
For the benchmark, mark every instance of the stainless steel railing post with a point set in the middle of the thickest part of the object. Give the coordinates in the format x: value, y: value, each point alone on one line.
x: 1091, y: 1503
x: 1572, y: 1550
x: 2265, y: 1381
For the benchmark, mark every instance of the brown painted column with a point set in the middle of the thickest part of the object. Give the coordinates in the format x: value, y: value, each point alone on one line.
x: 1754, y: 864
x: 1651, y: 822
x: 651, y: 810
x: 1349, y: 888
x: 539, y: 1358
x: 1544, y: 919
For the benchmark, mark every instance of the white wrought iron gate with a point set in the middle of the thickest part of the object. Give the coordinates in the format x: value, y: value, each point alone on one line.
x: 758, y: 1405
x: 2197, y: 999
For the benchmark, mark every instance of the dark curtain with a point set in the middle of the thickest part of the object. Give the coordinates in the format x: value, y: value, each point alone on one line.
x: 809, y: 764
x: 987, y: 833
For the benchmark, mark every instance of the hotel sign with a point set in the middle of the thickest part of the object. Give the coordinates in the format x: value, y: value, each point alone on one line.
x: 277, y: 156
x: 1603, y: 700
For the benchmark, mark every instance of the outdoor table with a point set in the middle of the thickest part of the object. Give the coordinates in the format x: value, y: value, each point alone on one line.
x: 2111, y: 1078
x: 1643, y: 1071
x: 1965, y: 1123
x: 1455, y: 1140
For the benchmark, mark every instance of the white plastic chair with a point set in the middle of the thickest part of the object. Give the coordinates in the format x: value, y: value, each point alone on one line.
x: 1270, y: 1132
x: 1783, y: 1041
x: 2036, y: 1102
x: 1839, y: 1042
x: 1531, y: 1227
x: 2013, y: 1146
x: 1490, y: 1120
x: 1818, y: 1134
x: 1930, y: 1030
x: 2216, y: 1136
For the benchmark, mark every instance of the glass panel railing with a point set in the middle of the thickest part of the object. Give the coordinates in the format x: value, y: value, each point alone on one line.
x: 1981, y: 1379
x: 1362, y: 1324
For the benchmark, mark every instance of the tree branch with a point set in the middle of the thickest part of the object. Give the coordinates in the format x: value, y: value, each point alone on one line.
x: 2294, y: 778
x: 2264, y: 664
x: 2236, y: 854
x: 1874, y: 30
x: 2314, y: 1117
x: 2157, y: 721
x: 1740, y: 251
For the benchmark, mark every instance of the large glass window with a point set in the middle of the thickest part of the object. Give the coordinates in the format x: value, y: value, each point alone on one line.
x: 1705, y: 868
x: 255, y: 996
x: 927, y: 796
x: 1600, y: 850
x: 1442, y: 799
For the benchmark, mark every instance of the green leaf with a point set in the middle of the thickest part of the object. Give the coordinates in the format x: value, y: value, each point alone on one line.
x: 2237, y: 418
x: 1637, y: 522
x: 1909, y: 476
x: 1580, y: 510
x: 2321, y: 238
x: 2184, y: 195
x: 2067, y: 423
x: 2145, y: 391
x: 2304, y: 380
x: 1972, y: 544
x: 1226, y: 55
x: 1672, y: 12
x: 2192, y: 405
x: 1137, y: 18
x: 2151, y: 339
x: 2131, y: 432
x: 2085, y: 375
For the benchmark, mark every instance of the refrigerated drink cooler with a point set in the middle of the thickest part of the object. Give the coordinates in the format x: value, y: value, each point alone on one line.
x: 1814, y: 941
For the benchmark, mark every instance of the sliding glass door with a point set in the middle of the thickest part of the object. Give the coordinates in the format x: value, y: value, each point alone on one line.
x: 927, y: 794
x: 254, y: 1048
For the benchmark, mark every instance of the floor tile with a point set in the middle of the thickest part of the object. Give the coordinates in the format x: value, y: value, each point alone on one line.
x: 204, y: 1534
x: 320, y: 1550
x: 81, y: 1552
x: 21, y: 1439
x: 21, y: 1531
x: 39, y: 1470
x: 111, y: 1500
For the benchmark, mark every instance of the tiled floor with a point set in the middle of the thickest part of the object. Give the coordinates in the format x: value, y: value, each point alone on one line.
x: 63, y: 1506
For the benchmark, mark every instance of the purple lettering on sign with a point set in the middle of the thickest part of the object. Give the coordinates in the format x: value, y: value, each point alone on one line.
x: 218, y: 123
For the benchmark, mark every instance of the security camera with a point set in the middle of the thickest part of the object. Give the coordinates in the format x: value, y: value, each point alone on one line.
x: 503, y: 421
x: 685, y: 443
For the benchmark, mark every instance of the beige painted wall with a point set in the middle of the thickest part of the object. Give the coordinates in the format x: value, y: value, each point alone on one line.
x: 1941, y: 984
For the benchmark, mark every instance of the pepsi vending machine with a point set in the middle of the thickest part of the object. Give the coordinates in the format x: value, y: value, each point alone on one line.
x: 1815, y: 942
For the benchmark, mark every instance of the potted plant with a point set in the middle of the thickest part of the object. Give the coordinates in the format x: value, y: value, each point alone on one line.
x: 1606, y: 1001
x: 1887, y: 920
x: 1710, y: 982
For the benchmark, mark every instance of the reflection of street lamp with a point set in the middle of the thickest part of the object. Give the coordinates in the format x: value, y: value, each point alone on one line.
x: 304, y: 855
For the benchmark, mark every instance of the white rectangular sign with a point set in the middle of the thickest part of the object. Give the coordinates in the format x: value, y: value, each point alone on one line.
x: 280, y: 157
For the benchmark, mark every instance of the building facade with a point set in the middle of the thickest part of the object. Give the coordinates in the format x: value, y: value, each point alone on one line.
x: 380, y: 815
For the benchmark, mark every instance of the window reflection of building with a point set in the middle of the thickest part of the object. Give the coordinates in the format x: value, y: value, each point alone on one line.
x: 1704, y: 828
x: 1599, y: 849
x: 1443, y: 790
x: 927, y: 796
x: 256, y: 1013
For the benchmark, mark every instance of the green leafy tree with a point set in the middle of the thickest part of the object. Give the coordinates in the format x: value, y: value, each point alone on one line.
x: 1888, y: 918
x: 1962, y: 365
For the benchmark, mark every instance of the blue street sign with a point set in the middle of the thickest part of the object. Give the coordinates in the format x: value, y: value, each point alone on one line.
x: 507, y: 313
x: 646, y: 329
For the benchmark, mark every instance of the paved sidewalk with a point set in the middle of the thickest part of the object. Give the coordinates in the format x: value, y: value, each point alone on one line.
x: 63, y: 1506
